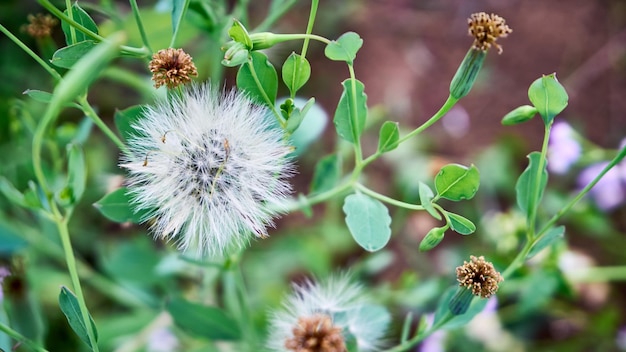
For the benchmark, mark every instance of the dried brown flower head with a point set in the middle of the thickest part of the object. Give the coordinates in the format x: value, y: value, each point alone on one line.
x: 486, y: 29
x: 316, y: 334
x: 40, y: 25
x: 480, y: 276
x: 172, y: 67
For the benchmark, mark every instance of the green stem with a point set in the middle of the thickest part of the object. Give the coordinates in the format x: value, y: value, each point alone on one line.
x: 142, y: 31
x: 407, y: 345
x: 71, y: 265
x: 26, y: 49
x: 386, y: 199
x: 20, y: 338
x: 267, y: 99
x: 309, y: 27
x: 88, y: 110
x: 68, y: 6
x: 130, y: 79
x: 274, y: 16
x: 180, y: 20
x: 318, y: 198
x: 532, y: 217
x: 439, y: 114
x: 358, y: 152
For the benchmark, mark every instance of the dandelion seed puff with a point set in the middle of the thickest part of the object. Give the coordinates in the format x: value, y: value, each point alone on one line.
x: 327, y: 316
x: 206, y: 166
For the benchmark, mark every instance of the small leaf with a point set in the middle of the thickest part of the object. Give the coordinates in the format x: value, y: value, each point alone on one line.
x: 239, y: 34
x: 460, y: 224
x: 39, y: 95
x: 368, y: 221
x: 388, y: 137
x: 432, y: 238
x: 81, y: 17
x: 116, y: 206
x: 76, y: 172
x: 551, y: 237
x: 548, y: 96
x: 267, y: 77
x: 457, y: 182
x: 203, y: 321
x: 68, y: 56
x: 426, y: 197
x: 350, y: 125
x: 527, y: 187
x: 124, y: 120
x: 71, y: 309
x: 298, y: 115
x: 178, y: 12
x: 344, y: 48
x: 326, y: 174
x: 296, y: 72
x: 11, y: 193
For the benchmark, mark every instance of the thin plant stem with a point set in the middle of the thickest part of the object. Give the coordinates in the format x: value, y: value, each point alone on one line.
x: 407, y: 345
x: 142, y: 31
x: 267, y: 99
x: 32, y: 54
x: 68, y: 6
x: 309, y: 27
x: 89, y: 111
x: 532, y: 217
x: 177, y: 29
x: 449, y: 103
x: 21, y: 338
x: 358, y: 152
x: 386, y: 199
x: 274, y: 16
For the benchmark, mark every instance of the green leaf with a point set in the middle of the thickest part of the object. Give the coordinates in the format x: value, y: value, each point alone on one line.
x: 239, y: 34
x: 11, y: 193
x: 552, y: 236
x: 388, y: 137
x: 124, y: 120
x: 39, y: 95
x: 71, y: 309
x: 518, y: 115
x: 344, y: 48
x: 203, y: 321
x: 457, y: 182
x: 179, y: 7
x: 548, y: 96
x: 81, y: 17
x: 297, y: 116
x: 68, y: 56
x: 443, y: 307
x: 426, y: 197
x: 296, y: 72
x: 460, y: 224
x: 350, y: 127
x: 432, y: 238
x: 116, y: 206
x: 10, y: 242
x: 267, y: 77
x: 368, y: 221
x: 76, y: 173
x: 326, y: 174
x: 527, y: 186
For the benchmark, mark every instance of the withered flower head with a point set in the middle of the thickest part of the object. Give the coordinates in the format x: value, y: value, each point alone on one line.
x: 316, y: 334
x: 172, y: 67
x: 486, y: 29
x: 40, y: 25
x: 480, y: 276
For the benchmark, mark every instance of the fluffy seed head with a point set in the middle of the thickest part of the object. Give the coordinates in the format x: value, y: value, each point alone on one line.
x: 206, y: 166
x: 40, y: 25
x: 480, y: 276
x: 172, y: 67
x: 324, y: 317
x: 486, y: 29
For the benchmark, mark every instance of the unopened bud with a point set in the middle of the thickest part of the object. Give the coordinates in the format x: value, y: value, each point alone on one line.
x: 518, y: 115
x: 235, y: 55
x: 432, y: 238
x: 467, y: 72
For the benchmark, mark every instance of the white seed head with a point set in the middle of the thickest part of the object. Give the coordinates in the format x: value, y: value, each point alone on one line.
x: 359, y: 320
x: 205, y: 166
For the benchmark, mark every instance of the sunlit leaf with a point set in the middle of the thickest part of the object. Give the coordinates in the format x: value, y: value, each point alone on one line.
x: 350, y: 119
x: 368, y: 221
x: 457, y: 182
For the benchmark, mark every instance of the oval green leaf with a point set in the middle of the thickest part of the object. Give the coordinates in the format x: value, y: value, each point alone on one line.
x: 263, y: 84
x: 388, y: 137
x: 297, y: 116
x: 326, y: 174
x: 68, y: 56
x: 460, y: 224
x: 457, y: 182
x: 368, y: 221
x: 349, y: 119
x: 296, y: 72
x: 39, y: 95
x: 426, y: 196
x: 203, y: 321
x: 239, y: 34
x: 527, y: 187
x: 116, y: 206
x: 81, y: 17
x: 70, y: 307
x: 548, y: 96
x: 344, y: 48
x: 76, y: 172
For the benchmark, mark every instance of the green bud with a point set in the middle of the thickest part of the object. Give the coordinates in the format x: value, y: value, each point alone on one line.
x: 518, y: 115
x: 460, y: 302
x: 264, y: 40
x: 432, y: 238
x: 235, y: 55
x: 467, y: 72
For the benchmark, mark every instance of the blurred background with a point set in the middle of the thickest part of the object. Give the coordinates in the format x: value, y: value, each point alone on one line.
x: 411, y: 51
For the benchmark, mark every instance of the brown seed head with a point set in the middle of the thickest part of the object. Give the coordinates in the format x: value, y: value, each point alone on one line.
x: 172, y: 67
x: 316, y: 334
x: 486, y: 29
x: 480, y: 276
x: 40, y: 25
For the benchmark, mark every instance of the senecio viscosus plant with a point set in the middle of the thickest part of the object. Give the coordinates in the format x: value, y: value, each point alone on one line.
x: 208, y: 171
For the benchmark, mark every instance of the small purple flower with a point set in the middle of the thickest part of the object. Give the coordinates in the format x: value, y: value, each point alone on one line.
x: 610, y: 191
x: 563, y: 150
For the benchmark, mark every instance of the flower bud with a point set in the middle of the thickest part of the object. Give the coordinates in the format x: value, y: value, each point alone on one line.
x: 235, y: 55
x: 518, y: 115
x: 432, y: 238
x: 467, y: 72
x: 264, y: 40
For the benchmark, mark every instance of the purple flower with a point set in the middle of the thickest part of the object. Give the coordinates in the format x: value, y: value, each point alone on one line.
x: 563, y: 150
x: 610, y: 191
